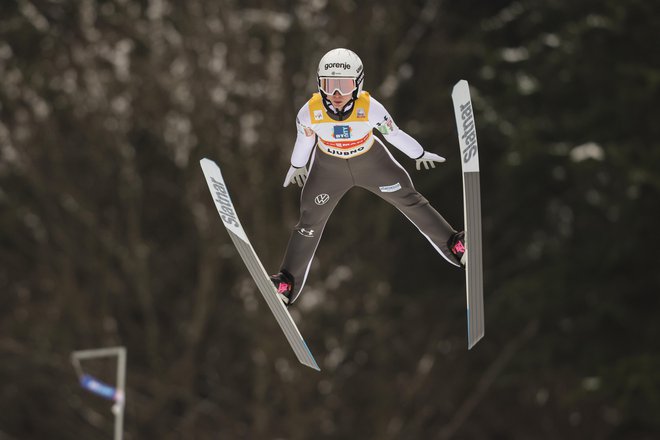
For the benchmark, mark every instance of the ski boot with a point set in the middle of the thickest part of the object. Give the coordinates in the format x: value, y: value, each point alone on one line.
x: 283, y: 282
x: 457, y: 247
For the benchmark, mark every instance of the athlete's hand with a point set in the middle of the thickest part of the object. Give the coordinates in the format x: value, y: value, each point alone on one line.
x: 428, y: 159
x: 296, y: 175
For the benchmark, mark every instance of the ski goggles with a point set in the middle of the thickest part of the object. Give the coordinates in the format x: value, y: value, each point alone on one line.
x: 345, y: 86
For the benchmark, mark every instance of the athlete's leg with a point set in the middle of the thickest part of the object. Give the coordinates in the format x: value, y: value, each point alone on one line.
x: 327, y: 181
x: 385, y: 177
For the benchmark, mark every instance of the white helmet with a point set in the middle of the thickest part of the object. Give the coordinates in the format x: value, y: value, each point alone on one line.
x: 342, y: 70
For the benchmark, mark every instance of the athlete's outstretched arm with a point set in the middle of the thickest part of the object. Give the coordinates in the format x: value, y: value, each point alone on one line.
x: 302, y: 149
x: 301, y: 152
x: 384, y: 123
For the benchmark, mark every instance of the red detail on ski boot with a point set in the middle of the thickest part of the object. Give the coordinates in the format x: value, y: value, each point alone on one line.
x: 458, y: 248
x: 456, y: 245
x: 283, y: 282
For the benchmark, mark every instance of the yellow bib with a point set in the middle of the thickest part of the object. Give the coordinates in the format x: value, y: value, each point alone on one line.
x: 360, y: 113
x: 348, y: 138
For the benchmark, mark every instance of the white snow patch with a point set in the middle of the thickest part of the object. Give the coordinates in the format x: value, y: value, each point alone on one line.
x: 590, y: 150
x: 514, y: 54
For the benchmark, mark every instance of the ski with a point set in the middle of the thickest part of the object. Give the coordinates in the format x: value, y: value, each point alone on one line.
x: 225, y: 207
x: 467, y: 138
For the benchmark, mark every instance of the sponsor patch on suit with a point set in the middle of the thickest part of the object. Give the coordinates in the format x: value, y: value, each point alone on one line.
x: 390, y: 188
x: 341, y: 132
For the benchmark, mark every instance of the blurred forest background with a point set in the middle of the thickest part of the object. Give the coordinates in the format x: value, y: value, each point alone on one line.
x: 108, y: 235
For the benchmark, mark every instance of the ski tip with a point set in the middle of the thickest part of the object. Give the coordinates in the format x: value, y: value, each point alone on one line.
x: 459, y: 85
x: 208, y: 164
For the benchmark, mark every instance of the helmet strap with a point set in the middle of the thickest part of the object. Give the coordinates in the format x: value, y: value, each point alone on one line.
x: 335, y: 113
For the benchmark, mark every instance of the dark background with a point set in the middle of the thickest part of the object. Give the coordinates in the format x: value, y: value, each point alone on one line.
x: 108, y: 235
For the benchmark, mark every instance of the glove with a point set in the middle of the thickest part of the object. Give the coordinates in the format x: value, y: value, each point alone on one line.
x: 296, y: 175
x: 427, y: 159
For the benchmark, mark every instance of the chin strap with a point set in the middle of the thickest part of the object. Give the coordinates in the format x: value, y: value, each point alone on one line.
x: 334, y: 113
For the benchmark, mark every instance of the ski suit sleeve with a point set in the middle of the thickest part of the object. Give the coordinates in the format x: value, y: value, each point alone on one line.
x: 381, y: 120
x: 305, y: 139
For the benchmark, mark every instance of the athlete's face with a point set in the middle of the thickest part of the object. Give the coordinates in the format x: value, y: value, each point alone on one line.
x: 338, y: 100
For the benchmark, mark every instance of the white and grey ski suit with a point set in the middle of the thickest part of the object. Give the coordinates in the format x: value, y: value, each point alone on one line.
x: 348, y: 154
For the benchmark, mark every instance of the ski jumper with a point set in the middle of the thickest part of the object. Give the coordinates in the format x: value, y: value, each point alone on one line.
x: 348, y: 154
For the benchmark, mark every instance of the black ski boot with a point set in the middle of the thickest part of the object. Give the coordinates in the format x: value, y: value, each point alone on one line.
x: 457, y: 247
x: 283, y: 282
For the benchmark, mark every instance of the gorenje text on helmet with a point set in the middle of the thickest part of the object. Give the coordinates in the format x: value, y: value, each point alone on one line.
x: 342, y: 65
